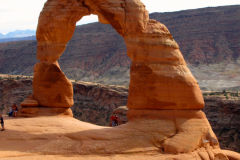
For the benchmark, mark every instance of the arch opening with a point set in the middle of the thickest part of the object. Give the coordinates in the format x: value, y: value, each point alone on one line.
x: 99, y: 55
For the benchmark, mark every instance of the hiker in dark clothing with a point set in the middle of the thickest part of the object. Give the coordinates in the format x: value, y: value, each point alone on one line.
x: 2, y: 123
x: 11, y: 112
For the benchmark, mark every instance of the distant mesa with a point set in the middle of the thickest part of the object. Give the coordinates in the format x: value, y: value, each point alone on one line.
x: 18, y: 35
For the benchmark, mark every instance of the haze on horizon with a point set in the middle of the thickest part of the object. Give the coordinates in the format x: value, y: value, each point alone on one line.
x: 17, y: 15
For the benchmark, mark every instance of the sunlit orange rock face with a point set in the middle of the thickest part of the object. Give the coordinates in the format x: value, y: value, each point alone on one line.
x: 164, y: 98
x: 160, y: 78
x: 51, y: 88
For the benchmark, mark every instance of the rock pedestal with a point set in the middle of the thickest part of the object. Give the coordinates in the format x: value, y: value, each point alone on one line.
x: 31, y: 108
x: 44, y: 111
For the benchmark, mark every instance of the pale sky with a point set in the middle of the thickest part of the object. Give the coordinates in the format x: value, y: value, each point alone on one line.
x: 23, y: 14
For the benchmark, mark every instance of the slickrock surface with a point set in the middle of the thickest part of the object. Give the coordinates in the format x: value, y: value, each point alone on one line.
x: 61, y: 138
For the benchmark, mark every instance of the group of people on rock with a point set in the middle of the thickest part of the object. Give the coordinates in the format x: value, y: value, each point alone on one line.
x: 13, y: 113
x: 114, y: 120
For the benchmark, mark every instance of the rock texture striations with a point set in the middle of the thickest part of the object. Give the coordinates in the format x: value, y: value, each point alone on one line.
x: 159, y: 119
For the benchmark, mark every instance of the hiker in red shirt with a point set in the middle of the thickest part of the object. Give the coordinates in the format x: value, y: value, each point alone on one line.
x: 116, y: 120
x: 113, y: 120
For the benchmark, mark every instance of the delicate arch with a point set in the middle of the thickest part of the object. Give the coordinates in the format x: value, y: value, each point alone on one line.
x: 159, y: 78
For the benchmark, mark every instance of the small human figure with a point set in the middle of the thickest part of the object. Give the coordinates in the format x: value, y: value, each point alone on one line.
x: 15, y: 110
x: 11, y: 112
x: 2, y: 123
x: 113, y: 120
x: 116, y: 120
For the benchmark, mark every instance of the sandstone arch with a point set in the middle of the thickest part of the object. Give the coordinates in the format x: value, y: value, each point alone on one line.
x: 160, y: 78
x: 164, y: 98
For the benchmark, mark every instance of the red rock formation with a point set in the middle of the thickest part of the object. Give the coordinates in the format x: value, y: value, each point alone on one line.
x: 164, y: 97
x: 158, y: 66
x: 51, y: 88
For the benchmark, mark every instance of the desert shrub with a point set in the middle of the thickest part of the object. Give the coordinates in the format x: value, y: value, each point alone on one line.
x: 1, y: 78
x: 224, y: 91
x: 237, y: 94
x: 205, y: 94
x: 21, y: 100
x: 225, y: 94
x: 218, y: 94
x: 10, y: 78
x: 227, y: 97
x: 232, y: 95
x: 76, y: 80
x: 212, y: 93
x: 18, y: 77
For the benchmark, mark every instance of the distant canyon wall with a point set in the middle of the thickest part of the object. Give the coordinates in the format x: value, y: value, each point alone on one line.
x: 208, y: 39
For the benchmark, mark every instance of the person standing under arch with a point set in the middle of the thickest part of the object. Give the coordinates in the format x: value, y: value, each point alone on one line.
x: 113, y: 120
